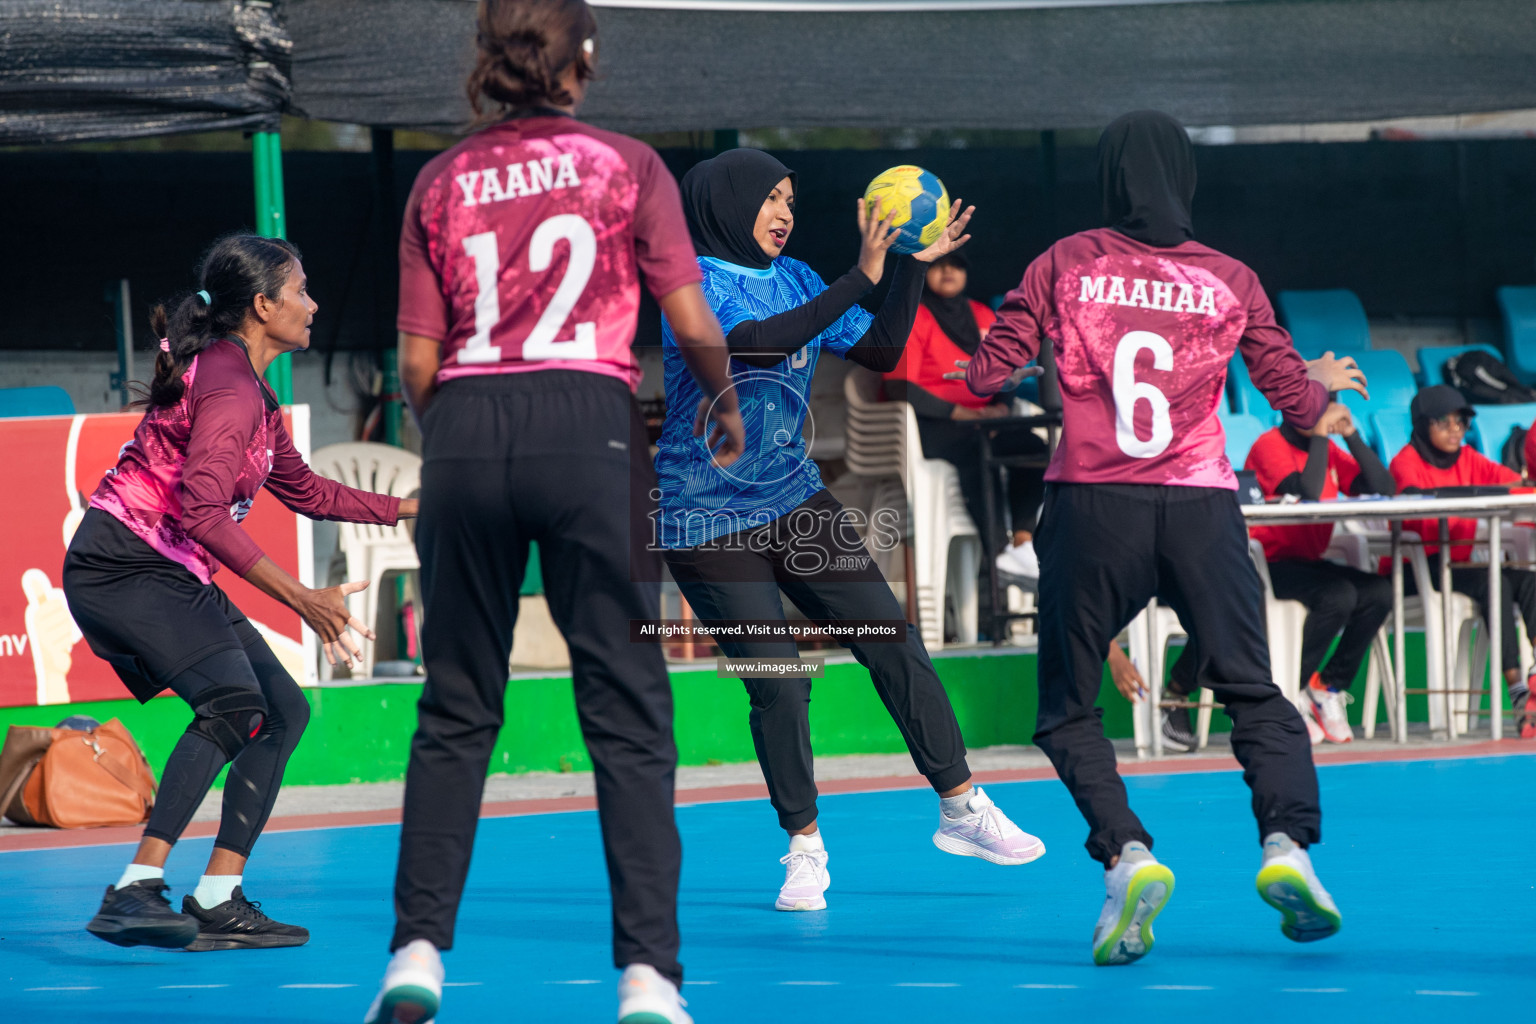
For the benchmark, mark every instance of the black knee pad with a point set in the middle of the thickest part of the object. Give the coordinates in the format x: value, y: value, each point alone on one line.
x: 229, y: 717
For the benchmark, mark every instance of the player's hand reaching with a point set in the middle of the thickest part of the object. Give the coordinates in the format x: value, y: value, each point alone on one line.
x: 876, y: 236
x: 728, y: 431
x: 326, y: 612
x: 1127, y: 679
x: 1015, y: 378
x: 1337, y: 374
x: 954, y: 235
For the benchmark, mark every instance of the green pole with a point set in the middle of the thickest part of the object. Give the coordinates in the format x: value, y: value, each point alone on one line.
x: 271, y: 220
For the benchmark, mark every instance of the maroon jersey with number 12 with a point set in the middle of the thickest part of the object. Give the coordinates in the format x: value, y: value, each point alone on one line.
x: 524, y: 246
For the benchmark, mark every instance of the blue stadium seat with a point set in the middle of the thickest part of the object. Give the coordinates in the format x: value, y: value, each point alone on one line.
x: 1245, y: 399
x: 39, y: 401
x: 1391, y: 385
x: 1322, y: 321
x: 1519, y: 308
x: 1241, y: 430
x: 1390, y: 429
x: 1432, y: 359
x: 1492, y: 424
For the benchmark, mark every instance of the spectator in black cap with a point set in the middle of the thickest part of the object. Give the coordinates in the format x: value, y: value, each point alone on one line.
x: 1435, y: 457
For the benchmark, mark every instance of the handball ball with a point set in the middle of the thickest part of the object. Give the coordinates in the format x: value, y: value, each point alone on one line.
x: 919, y: 202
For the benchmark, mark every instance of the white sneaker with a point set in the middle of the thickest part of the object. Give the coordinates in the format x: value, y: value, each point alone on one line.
x: 1019, y: 560
x: 1327, y: 707
x: 645, y: 997
x: 1136, y: 889
x: 987, y: 833
x: 1288, y: 883
x: 413, y: 986
x: 805, y: 876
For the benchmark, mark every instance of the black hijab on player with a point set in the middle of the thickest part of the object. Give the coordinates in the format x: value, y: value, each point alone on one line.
x: 723, y: 195
x: 1147, y: 178
x: 954, y: 315
x: 1431, y: 404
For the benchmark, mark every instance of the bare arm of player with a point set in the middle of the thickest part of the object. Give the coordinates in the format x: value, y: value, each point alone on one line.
x: 702, y: 347
x: 420, y: 359
x: 325, y: 610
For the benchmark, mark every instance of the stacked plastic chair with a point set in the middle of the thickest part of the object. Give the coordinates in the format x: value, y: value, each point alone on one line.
x: 883, y: 442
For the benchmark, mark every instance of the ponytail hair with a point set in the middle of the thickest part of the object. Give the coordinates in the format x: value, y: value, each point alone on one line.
x: 522, y: 47
x: 234, y: 270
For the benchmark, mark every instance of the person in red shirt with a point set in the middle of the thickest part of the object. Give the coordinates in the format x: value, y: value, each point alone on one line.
x: 139, y: 580
x: 949, y: 327
x: 1141, y: 500
x: 1436, y: 457
x: 1341, y: 601
x: 522, y: 256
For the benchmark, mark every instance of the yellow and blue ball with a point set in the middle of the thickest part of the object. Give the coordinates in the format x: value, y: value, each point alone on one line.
x: 919, y: 201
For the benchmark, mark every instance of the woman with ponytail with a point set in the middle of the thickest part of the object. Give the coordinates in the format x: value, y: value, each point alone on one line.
x: 139, y: 579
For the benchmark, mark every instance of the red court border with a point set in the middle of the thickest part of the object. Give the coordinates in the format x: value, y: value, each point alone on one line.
x: 55, y: 839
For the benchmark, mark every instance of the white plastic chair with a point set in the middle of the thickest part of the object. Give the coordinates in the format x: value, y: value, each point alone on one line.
x: 1283, y: 626
x: 1149, y: 634
x: 1422, y: 612
x: 371, y: 551
x: 883, y: 441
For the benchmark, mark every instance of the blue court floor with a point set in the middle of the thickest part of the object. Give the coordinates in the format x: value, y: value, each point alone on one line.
x: 1432, y: 862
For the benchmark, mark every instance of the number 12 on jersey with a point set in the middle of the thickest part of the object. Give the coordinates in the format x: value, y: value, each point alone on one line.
x: 541, y: 342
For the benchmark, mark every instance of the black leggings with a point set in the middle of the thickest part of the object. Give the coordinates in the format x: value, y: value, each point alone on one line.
x: 813, y: 555
x: 160, y: 627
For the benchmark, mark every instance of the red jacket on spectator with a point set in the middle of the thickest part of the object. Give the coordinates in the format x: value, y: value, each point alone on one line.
x: 1272, y: 458
x: 930, y: 354
x: 1472, y: 468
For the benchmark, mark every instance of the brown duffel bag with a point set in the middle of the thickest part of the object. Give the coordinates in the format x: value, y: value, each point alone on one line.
x: 69, y: 778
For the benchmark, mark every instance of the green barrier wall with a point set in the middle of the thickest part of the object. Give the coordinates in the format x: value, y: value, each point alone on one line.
x: 363, y: 733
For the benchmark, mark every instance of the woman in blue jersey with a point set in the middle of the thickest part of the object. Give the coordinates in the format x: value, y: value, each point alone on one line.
x: 736, y: 538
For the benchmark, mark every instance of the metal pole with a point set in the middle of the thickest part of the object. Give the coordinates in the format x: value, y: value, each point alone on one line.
x: 122, y: 316
x: 1447, y: 630
x: 1399, y: 651
x: 386, y: 237
x: 1495, y: 632
x: 271, y: 221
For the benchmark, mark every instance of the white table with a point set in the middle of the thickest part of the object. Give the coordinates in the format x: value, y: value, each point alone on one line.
x: 1493, y: 508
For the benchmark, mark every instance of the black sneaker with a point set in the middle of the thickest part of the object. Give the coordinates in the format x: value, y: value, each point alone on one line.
x: 138, y: 914
x: 237, y: 923
x: 1177, y: 734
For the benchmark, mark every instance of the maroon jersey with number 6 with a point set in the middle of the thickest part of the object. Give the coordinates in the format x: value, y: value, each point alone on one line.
x: 1142, y: 338
x: 524, y: 246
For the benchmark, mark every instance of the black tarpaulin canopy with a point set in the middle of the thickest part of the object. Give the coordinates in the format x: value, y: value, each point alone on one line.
x: 99, y: 69
x: 676, y: 65
x: 80, y: 70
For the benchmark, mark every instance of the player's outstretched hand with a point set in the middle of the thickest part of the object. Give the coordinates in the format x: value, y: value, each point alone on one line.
x: 954, y: 235
x: 409, y: 508
x: 1015, y: 378
x: 876, y: 235
x: 326, y: 612
x: 1338, y: 374
x: 1127, y: 679
x: 728, y: 431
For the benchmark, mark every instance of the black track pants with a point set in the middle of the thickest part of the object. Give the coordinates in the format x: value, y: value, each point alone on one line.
x: 556, y: 457
x: 740, y: 576
x: 1105, y: 550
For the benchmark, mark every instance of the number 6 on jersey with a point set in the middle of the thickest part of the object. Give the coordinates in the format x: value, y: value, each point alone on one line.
x: 1128, y: 391
x: 541, y: 342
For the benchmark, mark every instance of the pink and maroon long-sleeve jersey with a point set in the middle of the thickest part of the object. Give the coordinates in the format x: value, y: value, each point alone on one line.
x: 192, y: 470
x: 524, y: 247
x: 1142, y: 337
